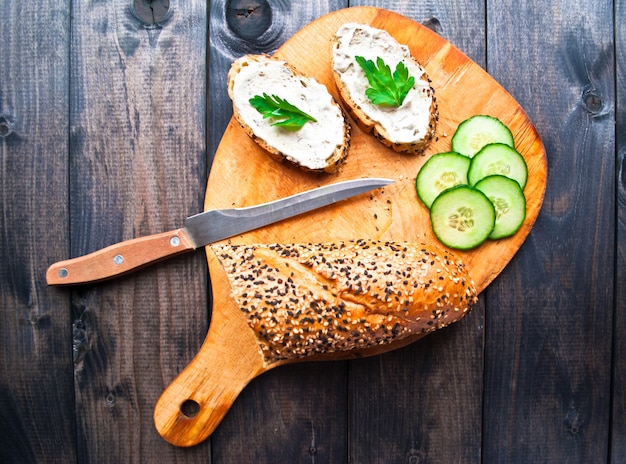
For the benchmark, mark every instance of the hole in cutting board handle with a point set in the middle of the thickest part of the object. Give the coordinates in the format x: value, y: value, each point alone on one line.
x: 190, y: 408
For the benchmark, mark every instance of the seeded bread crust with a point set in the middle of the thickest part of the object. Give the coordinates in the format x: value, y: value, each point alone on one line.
x: 310, y: 299
x: 333, y: 162
x: 360, y: 115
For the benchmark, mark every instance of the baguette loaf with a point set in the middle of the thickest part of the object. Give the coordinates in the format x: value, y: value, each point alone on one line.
x: 311, y: 299
x: 320, y: 145
x: 407, y: 128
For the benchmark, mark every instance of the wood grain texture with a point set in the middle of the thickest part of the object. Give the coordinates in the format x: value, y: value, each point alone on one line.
x: 293, y: 414
x: 618, y: 424
x: 35, y: 357
x: 102, y: 138
x: 138, y: 166
x: 548, y: 332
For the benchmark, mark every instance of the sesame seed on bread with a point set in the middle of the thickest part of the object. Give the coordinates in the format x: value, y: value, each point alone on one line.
x: 311, y: 299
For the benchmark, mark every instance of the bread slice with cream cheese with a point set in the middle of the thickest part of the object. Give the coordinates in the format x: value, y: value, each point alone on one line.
x: 320, y: 145
x: 409, y: 127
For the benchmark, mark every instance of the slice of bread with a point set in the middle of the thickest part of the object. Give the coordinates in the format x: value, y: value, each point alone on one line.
x: 320, y: 145
x: 407, y: 128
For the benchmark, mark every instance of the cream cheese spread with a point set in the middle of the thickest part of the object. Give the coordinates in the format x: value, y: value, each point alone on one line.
x: 404, y: 124
x: 313, y: 144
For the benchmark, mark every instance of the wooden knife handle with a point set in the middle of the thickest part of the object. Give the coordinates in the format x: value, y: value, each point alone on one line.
x: 119, y: 259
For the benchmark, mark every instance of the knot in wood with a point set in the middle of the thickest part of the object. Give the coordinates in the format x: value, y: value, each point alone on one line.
x: 592, y: 101
x: 6, y: 126
x: 151, y: 12
x: 110, y: 399
x: 79, y: 341
x: 413, y: 456
x: 248, y: 20
x: 573, y: 420
x: 433, y: 24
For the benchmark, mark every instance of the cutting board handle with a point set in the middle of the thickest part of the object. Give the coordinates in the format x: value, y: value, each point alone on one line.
x: 193, y: 405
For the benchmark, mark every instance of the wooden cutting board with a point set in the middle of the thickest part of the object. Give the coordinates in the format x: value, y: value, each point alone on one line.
x: 243, y: 174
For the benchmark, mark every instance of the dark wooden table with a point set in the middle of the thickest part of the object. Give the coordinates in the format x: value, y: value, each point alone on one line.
x: 110, y: 113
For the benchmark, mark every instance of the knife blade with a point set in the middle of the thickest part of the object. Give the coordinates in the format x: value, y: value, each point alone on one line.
x: 199, y: 230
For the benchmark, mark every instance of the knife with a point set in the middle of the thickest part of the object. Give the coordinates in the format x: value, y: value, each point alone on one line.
x: 199, y: 230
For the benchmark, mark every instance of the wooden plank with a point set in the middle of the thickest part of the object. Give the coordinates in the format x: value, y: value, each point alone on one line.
x: 618, y: 424
x: 549, y: 315
x: 423, y: 403
x: 36, y: 381
x: 293, y: 413
x: 546, y: 384
x: 138, y: 166
x: 33, y: 150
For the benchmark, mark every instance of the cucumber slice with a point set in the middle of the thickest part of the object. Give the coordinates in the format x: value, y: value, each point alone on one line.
x: 440, y: 172
x: 462, y: 217
x: 509, y: 201
x: 480, y: 130
x: 498, y: 158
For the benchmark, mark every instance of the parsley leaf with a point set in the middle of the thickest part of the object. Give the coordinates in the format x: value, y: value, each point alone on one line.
x: 286, y: 114
x: 386, y: 89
